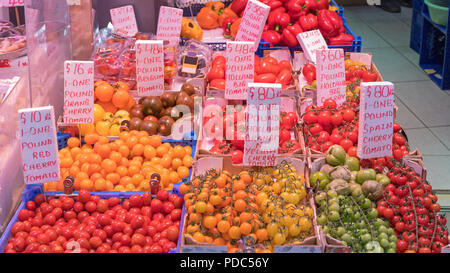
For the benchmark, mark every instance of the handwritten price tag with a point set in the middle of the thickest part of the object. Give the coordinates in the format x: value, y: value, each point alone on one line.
x: 330, y: 76
x: 311, y: 41
x: 79, y: 92
x: 240, y: 69
x: 263, y: 124
x: 253, y: 21
x: 124, y: 20
x: 376, y: 119
x: 38, y: 145
x: 149, y: 68
x: 73, y: 2
x: 169, y: 24
x: 12, y: 3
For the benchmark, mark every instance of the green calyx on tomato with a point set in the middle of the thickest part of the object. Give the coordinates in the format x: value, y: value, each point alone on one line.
x: 366, y: 174
x: 319, y: 178
x: 336, y: 155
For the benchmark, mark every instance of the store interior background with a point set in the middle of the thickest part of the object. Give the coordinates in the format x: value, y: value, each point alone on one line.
x: 423, y: 106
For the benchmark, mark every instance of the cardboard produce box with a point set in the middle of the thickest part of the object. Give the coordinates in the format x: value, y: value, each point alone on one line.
x: 310, y: 244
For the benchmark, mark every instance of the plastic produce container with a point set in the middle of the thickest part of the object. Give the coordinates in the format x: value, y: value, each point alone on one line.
x: 438, y: 11
x: 29, y: 193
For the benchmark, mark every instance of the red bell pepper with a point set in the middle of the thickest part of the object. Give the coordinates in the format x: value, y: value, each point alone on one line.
x: 330, y: 23
x: 226, y: 26
x: 271, y: 36
x: 273, y: 4
x: 297, y: 8
x: 238, y: 6
x: 322, y: 4
x: 289, y: 36
x: 278, y: 20
x: 341, y: 39
x: 308, y: 22
x: 312, y: 5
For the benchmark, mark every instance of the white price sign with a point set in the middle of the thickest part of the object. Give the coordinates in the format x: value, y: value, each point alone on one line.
x: 149, y: 68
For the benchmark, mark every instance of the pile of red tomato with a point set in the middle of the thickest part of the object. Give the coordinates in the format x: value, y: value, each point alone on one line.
x: 267, y: 70
x: 140, y: 224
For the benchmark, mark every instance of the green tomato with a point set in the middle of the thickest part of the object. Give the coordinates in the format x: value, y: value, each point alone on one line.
x: 365, y: 238
x: 378, y: 222
x: 359, y: 198
x: 322, y: 219
x: 356, y: 216
x: 383, y: 179
x: 353, y: 176
x: 334, y: 207
x: 326, y: 230
x: 390, y: 231
x: 347, y: 238
x: 382, y: 236
x: 352, y: 163
x: 372, y: 213
x: 332, y: 193
x: 366, y: 203
x: 384, y: 243
x: 393, y: 239
x: 391, y: 250
x: 366, y: 174
x: 319, y: 177
x: 319, y: 197
x: 392, y: 245
x: 323, y: 204
x: 336, y: 155
x: 340, y: 231
x: 333, y: 216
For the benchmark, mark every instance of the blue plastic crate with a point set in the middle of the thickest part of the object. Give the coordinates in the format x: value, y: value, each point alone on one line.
x: 355, y: 47
x: 340, y: 10
x: 30, y: 192
x: 417, y: 25
x: 62, y: 140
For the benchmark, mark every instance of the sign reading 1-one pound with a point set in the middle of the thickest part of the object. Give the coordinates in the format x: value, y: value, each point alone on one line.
x: 78, y: 92
x: 38, y: 145
x: 149, y: 68
x: 330, y: 76
x: 263, y: 124
x: 376, y: 119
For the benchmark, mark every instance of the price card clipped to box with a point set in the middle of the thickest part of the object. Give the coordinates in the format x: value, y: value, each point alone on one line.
x: 169, y: 24
x: 240, y: 69
x: 124, y: 20
x: 311, y: 41
x: 376, y: 119
x: 79, y: 92
x: 330, y: 76
x: 149, y: 68
x: 38, y: 145
x: 253, y: 22
x: 263, y: 124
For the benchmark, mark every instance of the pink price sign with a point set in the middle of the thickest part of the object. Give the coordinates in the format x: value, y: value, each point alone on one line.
x: 169, y: 24
x: 263, y: 124
x: 240, y: 69
x: 12, y: 3
x: 149, y: 68
x: 253, y: 22
x: 38, y: 145
x: 124, y: 20
x: 330, y: 69
x: 376, y: 119
x: 311, y: 41
x: 79, y: 92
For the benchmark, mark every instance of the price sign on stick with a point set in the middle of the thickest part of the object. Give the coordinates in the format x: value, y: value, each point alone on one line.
x: 78, y: 92
x: 330, y: 76
x: 38, y: 144
x: 311, y: 41
x: 253, y: 21
x: 124, y: 20
x: 376, y: 119
x: 263, y: 124
x: 149, y: 68
x: 169, y: 24
x: 240, y: 69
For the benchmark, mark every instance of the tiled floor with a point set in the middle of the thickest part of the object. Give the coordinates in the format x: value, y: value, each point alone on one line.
x: 424, y: 109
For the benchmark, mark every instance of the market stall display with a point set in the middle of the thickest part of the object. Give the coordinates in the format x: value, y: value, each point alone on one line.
x: 137, y: 188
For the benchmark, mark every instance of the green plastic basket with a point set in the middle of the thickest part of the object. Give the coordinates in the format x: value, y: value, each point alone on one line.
x: 438, y: 11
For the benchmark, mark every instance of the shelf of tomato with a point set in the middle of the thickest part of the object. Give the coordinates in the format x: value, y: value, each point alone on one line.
x: 124, y: 164
x: 223, y: 134
x: 227, y: 205
x: 108, y: 222
x: 410, y: 206
x: 274, y: 67
x: 328, y: 125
